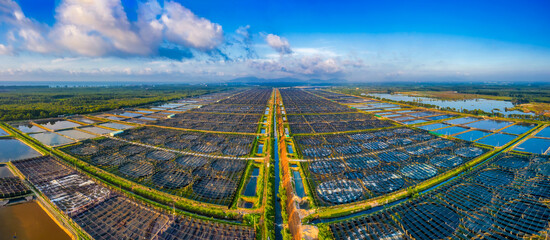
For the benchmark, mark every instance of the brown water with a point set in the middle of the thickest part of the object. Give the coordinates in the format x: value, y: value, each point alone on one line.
x: 28, y: 221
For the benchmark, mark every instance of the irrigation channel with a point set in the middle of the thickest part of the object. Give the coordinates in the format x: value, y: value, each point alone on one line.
x: 278, y: 216
x: 381, y: 207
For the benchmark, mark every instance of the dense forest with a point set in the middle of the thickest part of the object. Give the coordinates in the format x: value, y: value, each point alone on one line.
x: 17, y: 103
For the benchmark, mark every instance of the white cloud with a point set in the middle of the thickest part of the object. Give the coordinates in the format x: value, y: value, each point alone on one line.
x: 244, y: 31
x: 81, y: 42
x: 5, y: 50
x: 150, y: 27
x: 185, y: 28
x: 279, y: 44
x: 97, y: 23
x: 307, y: 66
x: 101, y: 28
x: 22, y: 31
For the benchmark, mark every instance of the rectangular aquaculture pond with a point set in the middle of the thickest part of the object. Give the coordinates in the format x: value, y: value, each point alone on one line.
x: 544, y: 132
x: 489, y: 124
x: 433, y: 126
x: 116, y: 126
x: 534, y: 145
x: 289, y: 149
x: 519, y: 129
x: 472, y: 135
x: 76, y: 134
x: 462, y: 120
x: 97, y: 130
x: 434, y: 118
x: 28, y: 128
x: 497, y: 139
x: 415, y: 121
x: 51, y: 139
x: 13, y: 149
x: 298, y: 184
x: 29, y: 221
x: 3, y: 133
x: 451, y: 130
x: 129, y: 114
x: 260, y: 149
x: 250, y: 190
x: 58, y: 124
x: 85, y: 120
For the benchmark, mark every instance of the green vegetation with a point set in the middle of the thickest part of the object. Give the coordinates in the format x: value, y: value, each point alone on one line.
x: 324, y: 231
x: 17, y: 103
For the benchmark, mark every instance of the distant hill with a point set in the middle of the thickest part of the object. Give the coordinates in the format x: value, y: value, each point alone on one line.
x: 284, y: 81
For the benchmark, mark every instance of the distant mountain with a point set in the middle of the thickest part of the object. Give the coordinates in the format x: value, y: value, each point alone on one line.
x: 285, y: 81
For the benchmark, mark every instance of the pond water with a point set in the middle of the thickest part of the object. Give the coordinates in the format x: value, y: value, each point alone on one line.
x: 250, y: 190
x: 148, y: 118
x: 97, y: 130
x: 114, y: 118
x: 260, y: 149
x: 51, y: 139
x: 451, y: 130
x: 129, y: 114
x: 116, y: 126
x: 58, y: 124
x: 75, y: 134
x: 85, y: 120
x: 3, y: 133
x: 462, y: 120
x: 5, y: 171
x: 298, y: 184
x: 489, y: 124
x: 289, y: 149
x: 544, y: 132
x: 435, y: 118
x: 13, y: 149
x: 415, y: 121
x: 519, y: 128
x: 485, y: 105
x: 402, y: 118
x: 144, y: 111
x: 29, y: 221
x: 534, y: 145
x: 262, y: 131
x: 472, y: 135
x: 433, y: 126
x: 497, y: 139
x: 28, y: 128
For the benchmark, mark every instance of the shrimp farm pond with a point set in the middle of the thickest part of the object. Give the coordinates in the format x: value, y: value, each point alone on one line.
x: 277, y: 163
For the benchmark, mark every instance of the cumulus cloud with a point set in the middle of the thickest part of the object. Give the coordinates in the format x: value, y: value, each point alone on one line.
x: 96, y: 24
x: 278, y: 44
x: 307, y: 66
x: 101, y: 28
x: 185, y: 28
x: 26, y: 33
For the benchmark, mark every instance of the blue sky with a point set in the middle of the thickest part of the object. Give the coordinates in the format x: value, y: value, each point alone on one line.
x: 203, y: 40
